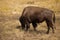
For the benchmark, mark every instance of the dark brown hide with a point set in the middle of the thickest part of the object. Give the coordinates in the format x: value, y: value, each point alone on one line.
x: 34, y: 15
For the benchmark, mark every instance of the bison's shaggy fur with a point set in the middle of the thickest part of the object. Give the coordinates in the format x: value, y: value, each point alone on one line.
x: 34, y: 15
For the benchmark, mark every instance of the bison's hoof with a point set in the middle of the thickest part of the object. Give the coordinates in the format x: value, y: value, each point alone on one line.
x: 47, y: 32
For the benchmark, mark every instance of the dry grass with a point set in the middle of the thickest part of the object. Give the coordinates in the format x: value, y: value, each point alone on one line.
x: 9, y: 30
x: 11, y: 10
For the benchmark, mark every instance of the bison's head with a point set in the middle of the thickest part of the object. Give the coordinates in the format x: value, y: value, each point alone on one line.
x: 22, y: 21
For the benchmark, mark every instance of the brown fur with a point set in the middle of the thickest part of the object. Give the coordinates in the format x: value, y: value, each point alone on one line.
x: 36, y: 15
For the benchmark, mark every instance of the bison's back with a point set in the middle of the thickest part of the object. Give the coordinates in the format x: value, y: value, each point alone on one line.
x: 31, y: 10
x: 37, y: 13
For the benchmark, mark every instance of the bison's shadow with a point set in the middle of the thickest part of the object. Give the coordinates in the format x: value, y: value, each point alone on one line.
x: 32, y: 31
x: 38, y: 31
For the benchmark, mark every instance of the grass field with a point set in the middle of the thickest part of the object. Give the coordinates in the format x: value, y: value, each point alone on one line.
x: 9, y: 30
x: 11, y: 10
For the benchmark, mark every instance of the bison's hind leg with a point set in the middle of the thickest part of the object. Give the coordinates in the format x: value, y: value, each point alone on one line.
x: 50, y: 24
x: 48, y: 27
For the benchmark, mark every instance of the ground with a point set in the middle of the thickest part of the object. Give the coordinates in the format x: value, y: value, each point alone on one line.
x: 10, y: 27
x: 10, y: 30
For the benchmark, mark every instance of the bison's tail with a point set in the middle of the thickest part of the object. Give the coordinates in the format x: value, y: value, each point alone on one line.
x: 54, y: 18
x: 54, y: 21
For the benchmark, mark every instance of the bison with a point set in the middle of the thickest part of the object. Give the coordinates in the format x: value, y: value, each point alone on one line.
x: 35, y: 15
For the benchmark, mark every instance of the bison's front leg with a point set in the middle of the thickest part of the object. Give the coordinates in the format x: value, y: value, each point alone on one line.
x: 23, y: 26
x: 27, y: 26
x: 34, y: 25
